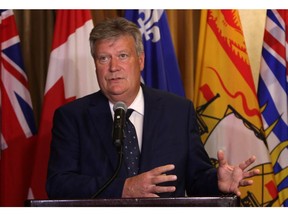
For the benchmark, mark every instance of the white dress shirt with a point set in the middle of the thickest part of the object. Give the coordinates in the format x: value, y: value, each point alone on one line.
x: 137, y: 116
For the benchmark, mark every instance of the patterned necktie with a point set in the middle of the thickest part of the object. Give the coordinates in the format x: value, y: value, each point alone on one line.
x: 131, y: 147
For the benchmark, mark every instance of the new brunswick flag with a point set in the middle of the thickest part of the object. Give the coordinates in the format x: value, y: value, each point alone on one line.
x: 226, y: 103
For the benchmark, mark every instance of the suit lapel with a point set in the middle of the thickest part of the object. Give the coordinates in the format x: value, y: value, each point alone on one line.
x: 100, y: 113
x: 152, y: 115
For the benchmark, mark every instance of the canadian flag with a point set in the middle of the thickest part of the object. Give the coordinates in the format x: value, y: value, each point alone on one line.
x: 71, y: 75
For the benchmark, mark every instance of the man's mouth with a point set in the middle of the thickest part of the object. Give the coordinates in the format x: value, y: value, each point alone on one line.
x: 115, y: 79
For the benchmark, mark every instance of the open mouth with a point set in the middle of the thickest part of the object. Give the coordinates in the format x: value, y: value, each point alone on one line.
x: 115, y: 79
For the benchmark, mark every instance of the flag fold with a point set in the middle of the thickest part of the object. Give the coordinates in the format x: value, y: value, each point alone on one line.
x: 226, y: 103
x: 161, y: 68
x: 273, y: 96
x: 17, y: 129
x: 71, y: 75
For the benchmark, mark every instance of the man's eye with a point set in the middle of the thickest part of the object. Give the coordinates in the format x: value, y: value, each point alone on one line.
x: 103, y: 59
x: 123, y: 56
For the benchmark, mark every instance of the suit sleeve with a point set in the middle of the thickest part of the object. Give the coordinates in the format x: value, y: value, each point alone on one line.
x: 201, y: 175
x: 66, y: 179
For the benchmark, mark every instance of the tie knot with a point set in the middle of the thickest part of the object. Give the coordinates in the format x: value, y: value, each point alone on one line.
x: 128, y: 113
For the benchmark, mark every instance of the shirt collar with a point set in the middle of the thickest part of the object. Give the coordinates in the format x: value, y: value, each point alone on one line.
x: 137, y: 104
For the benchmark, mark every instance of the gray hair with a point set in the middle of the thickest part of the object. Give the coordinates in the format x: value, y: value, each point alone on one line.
x: 113, y: 28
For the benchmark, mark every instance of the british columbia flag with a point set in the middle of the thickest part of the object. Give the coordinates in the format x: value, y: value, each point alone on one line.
x: 273, y: 96
x: 17, y: 125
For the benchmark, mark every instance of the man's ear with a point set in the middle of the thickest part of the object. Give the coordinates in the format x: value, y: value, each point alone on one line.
x: 141, y: 60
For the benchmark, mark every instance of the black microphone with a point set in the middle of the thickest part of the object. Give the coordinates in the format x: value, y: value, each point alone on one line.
x: 120, y: 109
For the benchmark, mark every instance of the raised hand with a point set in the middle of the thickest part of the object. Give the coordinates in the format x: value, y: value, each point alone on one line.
x: 230, y: 178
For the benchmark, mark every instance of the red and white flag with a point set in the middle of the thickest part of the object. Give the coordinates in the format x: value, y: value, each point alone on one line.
x: 17, y: 125
x: 71, y: 75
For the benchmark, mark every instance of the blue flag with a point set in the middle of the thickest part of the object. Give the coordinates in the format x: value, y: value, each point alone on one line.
x: 273, y: 96
x: 161, y: 68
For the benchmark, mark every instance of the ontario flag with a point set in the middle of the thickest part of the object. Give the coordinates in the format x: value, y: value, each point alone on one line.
x: 161, y: 68
x: 273, y: 96
x: 17, y: 125
x: 71, y: 75
x: 227, y: 106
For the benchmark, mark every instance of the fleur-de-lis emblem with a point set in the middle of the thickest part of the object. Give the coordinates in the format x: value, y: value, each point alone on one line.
x: 147, y: 24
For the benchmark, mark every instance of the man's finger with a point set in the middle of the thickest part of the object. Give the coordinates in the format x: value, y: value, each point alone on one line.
x: 251, y: 173
x: 221, y: 158
x: 164, y: 178
x: 164, y: 189
x: 162, y: 169
x: 246, y: 163
x: 244, y: 183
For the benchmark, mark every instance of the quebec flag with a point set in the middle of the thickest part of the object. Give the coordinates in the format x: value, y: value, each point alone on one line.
x: 161, y: 68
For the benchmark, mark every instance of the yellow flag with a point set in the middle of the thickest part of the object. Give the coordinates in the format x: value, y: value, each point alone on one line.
x: 226, y: 102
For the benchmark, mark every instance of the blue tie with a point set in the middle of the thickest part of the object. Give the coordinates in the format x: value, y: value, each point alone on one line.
x: 131, y: 147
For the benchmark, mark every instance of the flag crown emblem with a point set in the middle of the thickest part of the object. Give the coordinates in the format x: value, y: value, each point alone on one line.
x: 147, y: 21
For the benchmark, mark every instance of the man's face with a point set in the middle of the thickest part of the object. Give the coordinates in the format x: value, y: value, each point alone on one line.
x: 118, y: 68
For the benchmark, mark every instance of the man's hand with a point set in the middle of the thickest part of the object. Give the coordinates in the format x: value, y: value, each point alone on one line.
x: 145, y: 184
x: 230, y: 178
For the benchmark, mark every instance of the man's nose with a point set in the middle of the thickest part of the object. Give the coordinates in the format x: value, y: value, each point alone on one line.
x: 114, y: 64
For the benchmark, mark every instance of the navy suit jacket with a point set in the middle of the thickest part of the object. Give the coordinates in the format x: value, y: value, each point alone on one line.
x: 83, y: 157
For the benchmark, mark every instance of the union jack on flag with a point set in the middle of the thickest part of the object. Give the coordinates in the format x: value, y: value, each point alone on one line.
x: 273, y: 96
x: 17, y: 126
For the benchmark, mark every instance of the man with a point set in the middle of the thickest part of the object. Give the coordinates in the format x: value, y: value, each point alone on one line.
x: 173, y: 161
